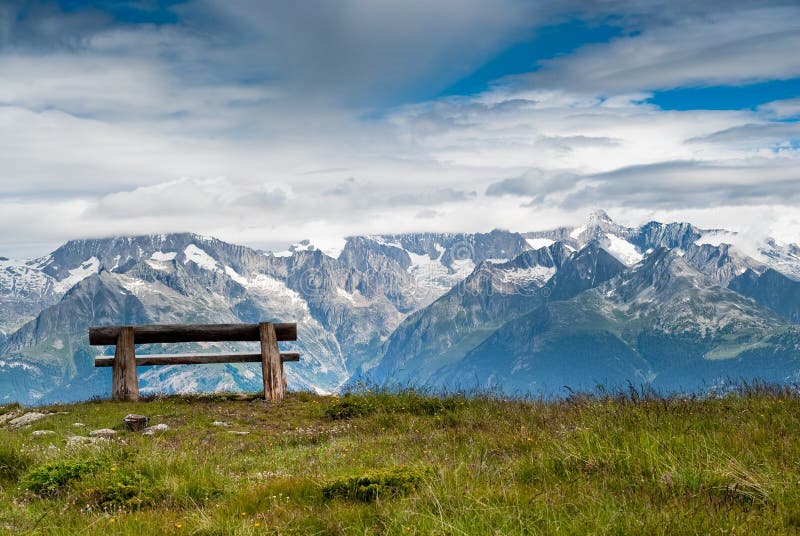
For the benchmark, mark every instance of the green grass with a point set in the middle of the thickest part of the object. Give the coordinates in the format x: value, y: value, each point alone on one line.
x: 377, y: 463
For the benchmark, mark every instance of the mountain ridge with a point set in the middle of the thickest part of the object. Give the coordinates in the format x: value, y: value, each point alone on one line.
x: 429, y: 299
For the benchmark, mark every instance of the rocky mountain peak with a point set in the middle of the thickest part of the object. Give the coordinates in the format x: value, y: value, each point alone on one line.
x: 598, y: 216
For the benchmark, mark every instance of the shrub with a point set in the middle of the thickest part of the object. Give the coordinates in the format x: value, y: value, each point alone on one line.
x: 6, y: 408
x: 12, y: 463
x: 362, y: 405
x: 124, y: 492
x: 351, y: 406
x: 51, y: 478
x: 379, y: 484
x: 430, y: 406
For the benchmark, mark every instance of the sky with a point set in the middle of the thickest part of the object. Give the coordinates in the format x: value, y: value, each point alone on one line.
x: 267, y: 122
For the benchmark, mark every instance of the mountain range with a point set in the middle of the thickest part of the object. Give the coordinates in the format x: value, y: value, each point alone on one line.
x: 663, y: 304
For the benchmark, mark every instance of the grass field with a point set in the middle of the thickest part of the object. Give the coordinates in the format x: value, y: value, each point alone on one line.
x: 410, y: 464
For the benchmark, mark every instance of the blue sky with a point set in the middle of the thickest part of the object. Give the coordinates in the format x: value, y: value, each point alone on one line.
x: 545, y: 42
x: 322, y: 119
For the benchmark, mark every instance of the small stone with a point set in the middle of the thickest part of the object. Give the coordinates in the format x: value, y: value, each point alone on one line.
x: 103, y: 432
x: 5, y: 417
x: 81, y: 440
x: 78, y: 424
x: 235, y: 432
x: 151, y: 430
x: 135, y: 423
x: 28, y: 418
x: 220, y: 423
x: 42, y: 432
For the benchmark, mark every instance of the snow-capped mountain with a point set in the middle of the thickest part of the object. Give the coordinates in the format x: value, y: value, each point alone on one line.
x: 345, y: 307
x: 439, y: 335
x: 662, y: 323
x: 516, y: 311
x: 667, y: 273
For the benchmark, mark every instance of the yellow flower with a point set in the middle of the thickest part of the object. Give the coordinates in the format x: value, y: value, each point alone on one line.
x: 112, y: 520
x: 244, y: 513
x: 113, y: 469
x: 257, y: 524
x: 178, y: 525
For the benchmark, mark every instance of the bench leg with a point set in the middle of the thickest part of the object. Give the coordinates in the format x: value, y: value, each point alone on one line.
x: 271, y: 366
x: 125, y: 384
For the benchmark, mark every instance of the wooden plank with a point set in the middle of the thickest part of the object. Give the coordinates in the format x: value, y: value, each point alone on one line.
x: 124, y: 383
x: 271, y: 370
x: 195, y: 359
x: 171, y: 333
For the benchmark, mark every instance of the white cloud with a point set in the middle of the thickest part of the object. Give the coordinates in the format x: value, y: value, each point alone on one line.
x: 782, y: 109
x: 724, y: 46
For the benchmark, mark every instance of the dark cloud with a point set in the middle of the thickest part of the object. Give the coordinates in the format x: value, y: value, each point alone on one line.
x: 364, y: 51
x: 43, y: 25
x: 693, y: 48
x: 348, y: 187
x: 691, y: 184
x: 427, y: 214
x: 432, y: 197
x: 534, y: 183
x: 758, y: 134
x: 566, y: 144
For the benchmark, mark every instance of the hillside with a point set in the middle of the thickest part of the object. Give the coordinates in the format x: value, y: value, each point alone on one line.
x: 231, y: 464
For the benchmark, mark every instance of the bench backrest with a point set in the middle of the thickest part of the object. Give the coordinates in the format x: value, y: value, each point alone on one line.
x: 125, y: 384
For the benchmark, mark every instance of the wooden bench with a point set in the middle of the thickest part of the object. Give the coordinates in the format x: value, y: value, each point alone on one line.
x: 125, y: 384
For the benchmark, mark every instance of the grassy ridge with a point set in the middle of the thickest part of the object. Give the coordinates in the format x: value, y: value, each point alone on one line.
x: 411, y: 464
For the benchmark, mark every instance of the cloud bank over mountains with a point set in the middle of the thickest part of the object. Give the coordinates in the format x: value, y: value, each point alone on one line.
x: 252, y: 121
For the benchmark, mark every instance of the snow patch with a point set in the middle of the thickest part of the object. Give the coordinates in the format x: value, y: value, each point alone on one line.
x: 578, y: 231
x: 432, y: 275
x: 164, y: 256
x: 623, y: 250
x: 200, y: 258
x: 157, y: 265
x: 17, y: 278
x: 533, y: 274
x: 76, y: 275
x: 356, y: 298
x: 429, y: 272
x: 137, y: 287
x: 233, y: 274
x: 463, y: 268
x: 17, y: 365
x: 384, y: 242
x: 715, y: 238
x: 247, y: 374
x: 333, y: 248
x: 346, y: 295
x: 303, y: 245
x: 265, y: 284
x: 539, y: 243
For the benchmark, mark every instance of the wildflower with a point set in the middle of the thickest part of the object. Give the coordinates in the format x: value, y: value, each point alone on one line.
x: 257, y: 524
x: 113, y: 469
x: 178, y: 525
x: 112, y: 520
